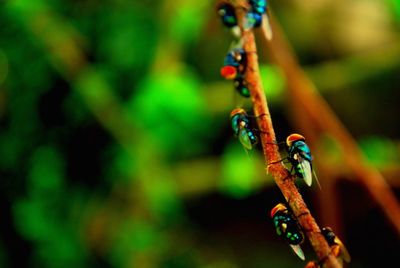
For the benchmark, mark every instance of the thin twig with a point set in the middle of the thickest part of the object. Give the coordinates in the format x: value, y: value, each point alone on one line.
x: 318, y: 111
x: 283, y: 178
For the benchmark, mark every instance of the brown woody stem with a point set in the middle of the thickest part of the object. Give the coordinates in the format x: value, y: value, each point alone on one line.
x: 283, y: 178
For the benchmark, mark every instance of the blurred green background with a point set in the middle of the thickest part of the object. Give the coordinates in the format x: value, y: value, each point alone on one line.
x: 115, y: 141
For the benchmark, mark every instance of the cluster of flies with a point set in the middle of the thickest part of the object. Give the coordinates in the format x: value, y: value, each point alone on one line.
x: 298, y: 152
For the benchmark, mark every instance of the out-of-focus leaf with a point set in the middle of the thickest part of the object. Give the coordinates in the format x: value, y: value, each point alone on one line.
x: 127, y: 37
x: 41, y: 221
x: 188, y: 20
x: 63, y: 248
x: 163, y: 199
x: 380, y: 151
x: 47, y: 172
x: 238, y: 171
x: 131, y: 239
x: 93, y: 88
x: 35, y: 77
x: 74, y: 109
x: 11, y: 148
x: 273, y: 81
x: 32, y: 221
x: 3, y: 66
x: 395, y: 6
x: 123, y: 167
x: 26, y: 7
x: 172, y: 110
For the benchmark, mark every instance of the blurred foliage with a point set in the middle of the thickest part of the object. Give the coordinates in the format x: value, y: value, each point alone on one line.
x: 238, y: 172
x: 116, y: 148
x: 169, y: 122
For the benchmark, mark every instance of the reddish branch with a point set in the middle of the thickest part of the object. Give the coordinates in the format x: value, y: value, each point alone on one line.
x: 283, y: 178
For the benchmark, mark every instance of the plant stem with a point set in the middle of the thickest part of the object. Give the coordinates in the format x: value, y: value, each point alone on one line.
x: 283, y: 178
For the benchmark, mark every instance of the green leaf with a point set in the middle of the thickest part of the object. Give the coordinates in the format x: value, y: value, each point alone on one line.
x: 131, y: 239
x: 380, y: 151
x: 395, y: 6
x: 47, y: 171
x: 273, y: 81
x: 32, y: 221
x: 123, y: 166
x: 127, y: 37
x: 25, y: 7
x: 186, y: 23
x: 171, y: 108
x: 238, y: 171
x: 163, y: 199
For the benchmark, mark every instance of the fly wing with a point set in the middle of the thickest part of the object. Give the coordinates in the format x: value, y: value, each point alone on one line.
x: 244, y: 139
x: 266, y: 27
x: 345, y: 254
x: 299, y: 252
x: 307, y: 171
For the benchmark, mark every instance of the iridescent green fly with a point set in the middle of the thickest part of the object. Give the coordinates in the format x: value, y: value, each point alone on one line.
x: 287, y: 227
x: 228, y: 16
x: 242, y: 128
x: 258, y: 8
x: 235, y: 64
x: 234, y: 68
x: 300, y: 157
x: 227, y: 13
x: 257, y: 16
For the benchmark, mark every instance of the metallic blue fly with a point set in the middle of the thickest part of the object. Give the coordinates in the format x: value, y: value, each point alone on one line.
x: 241, y: 127
x: 259, y: 6
x: 227, y: 14
x: 287, y: 227
x: 257, y: 16
x: 300, y: 157
x: 235, y: 65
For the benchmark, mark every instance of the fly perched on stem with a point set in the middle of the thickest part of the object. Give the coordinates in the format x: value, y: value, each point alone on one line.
x: 234, y: 68
x: 300, y: 158
x: 287, y: 227
x: 242, y: 128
